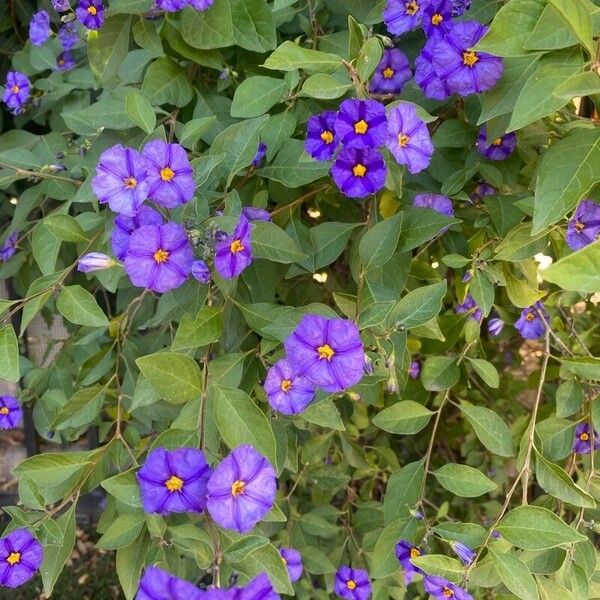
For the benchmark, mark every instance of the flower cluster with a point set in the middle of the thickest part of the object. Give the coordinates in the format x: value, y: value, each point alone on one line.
x: 320, y: 353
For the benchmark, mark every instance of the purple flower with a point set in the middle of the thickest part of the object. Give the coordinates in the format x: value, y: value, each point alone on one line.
x: 496, y: 534
x: 9, y: 247
x: 460, y: 7
x: 11, y: 413
x: 125, y: 226
x: 94, y: 261
x: 20, y: 557
x: 256, y: 214
x: 234, y: 253
x: 530, y: 324
x: 201, y: 4
x: 469, y: 306
x: 260, y: 154
x: 436, y: 16
x: 65, y: 61
x: 582, y: 444
x: 408, y: 138
x: 121, y: 179
x: 358, y: 172
x: 174, y: 481
x: 171, y: 5
x: 499, y: 149
x: 466, y: 555
x: 425, y: 74
x: 39, y: 28
x: 170, y: 174
x: 292, y: 559
x: 241, y: 491
x: 481, y: 190
x: 327, y: 352
x: 201, y: 271
x: 437, y: 202
x: 414, y: 370
x: 401, y: 16
x: 157, y: 584
x: 90, y: 13
x: 584, y: 227
x: 392, y: 72
x: 321, y: 141
x: 159, y: 257
x: 68, y: 36
x: 260, y: 588
x: 495, y: 326
x: 466, y: 71
x: 361, y: 123
x: 17, y: 91
x: 405, y: 552
x: 352, y: 584
x: 61, y: 5
x: 442, y: 589
x: 288, y: 392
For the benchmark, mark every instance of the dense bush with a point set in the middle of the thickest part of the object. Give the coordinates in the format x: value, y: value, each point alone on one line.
x: 329, y: 274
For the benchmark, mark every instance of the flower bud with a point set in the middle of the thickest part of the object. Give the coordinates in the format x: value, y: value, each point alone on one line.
x: 95, y: 261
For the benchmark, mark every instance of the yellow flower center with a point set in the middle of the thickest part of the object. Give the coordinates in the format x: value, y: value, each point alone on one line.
x: 4, y: 410
x: 414, y: 552
x: 326, y: 351
x: 388, y: 73
x: 351, y: 584
x: 436, y: 19
x: 237, y: 488
x: 470, y: 58
x: 403, y: 140
x: 92, y: 10
x: 130, y: 183
x: 61, y: 61
x: 15, y: 89
x: 236, y: 246
x: 529, y: 316
x: 283, y: 561
x: 359, y: 170
x: 447, y: 592
x: 327, y: 137
x: 286, y: 385
x: 579, y: 226
x: 160, y: 256
x: 13, y: 558
x: 361, y: 127
x: 497, y: 142
x: 412, y: 8
x: 584, y: 437
x: 167, y: 174
x: 174, y: 484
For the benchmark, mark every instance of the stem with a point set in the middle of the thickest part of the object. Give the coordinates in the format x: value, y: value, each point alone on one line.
x: 301, y: 199
x: 41, y: 175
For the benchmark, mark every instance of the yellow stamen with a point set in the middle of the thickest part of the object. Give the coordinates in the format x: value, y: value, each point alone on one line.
x: 470, y: 58
x: 414, y: 552
x: 412, y: 8
x: 167, y: 174
x: 361, y: 127
x: 174, y: 484
x: 447, y: 592
x: 579, y: 226
x: 15, y: 89
x: 359, y: 170
x: 497, y: 142
x: 283, y: 561
x: 286, y: 385
x: 237, y: 488
x: 351, y: 584
x: 403, y: 140
x: 327, y: 137
x: 4, y: 410
x: 92, y: 10
x: 388, y: 73
x: 236, y: 246
x: 130, y: 183
x: 326, y: 351
x: 529, y: 316
x: 160, y: 256
x: 13, y: 558
x: 584, y: 437
x: 436, y: 19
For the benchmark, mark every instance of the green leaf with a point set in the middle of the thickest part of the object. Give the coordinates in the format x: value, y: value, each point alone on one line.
x: 193, y: 130
x: 122, y: 531
x: 108, y: 47
x: 403, y: 491
x: 78, y: 306
x: 9, y: 354
x: 176, y: 377
x: 515, y: 575
x: 166, y: 82
x: 256, y: 95
x: 587, y: 367
x: 440, y: 565
x: 536, y: 528
x: 328, y: 241
x: 290, y: 56
x: 482, y: 290
x: 81, y: 408
x: 65, y: 228
x: 379, y: 243
x: 577, y: 16
x: 324, y: 413
x: 566, y: 172
x: 146, y: 36
x: 240, y: 421
x: 131, y: 559
x: 325, y: 87
x: 569, y: 398
x: 205, y: 328
x: 519, y: 291
x: 273, y: 243
x: 419, y: 306
x: 579, y: 271
x: 463, y: 481
x: 550, y: 590
x: 406, y: 417
x: 420, y: 225
x: 486, y: 371
x: 140, y: 111
x: 491, y: 430
x: 124, y: 487
x: 440, y: 373
x: 384, y: 558
x: 369, y: 58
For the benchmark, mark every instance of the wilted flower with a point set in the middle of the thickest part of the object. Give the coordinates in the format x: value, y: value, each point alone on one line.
x: 94, y: 261
x: 442, y: 589
x: 252, y: 213
x: 292, y: 559
x: 405, y: 552
x: 530, y: 325
x: 426, y: 76
x: 287, y: 392
x: 361, y: 123
x: 11, y: 413
x: 201, y: 271
x: 437, y: 202
x: 582, y: 444
x: 584, y: 227
x: 9, y: 247
x: 21, y: 556
x: 125, y: 226
x: 234, y: 253
x: 437, y: 14
x: 39, y: 28
x: 157, y: 584
x: 359, y: 172
x: 328, y: 352
x: 499, y: 149
x: 460, y: 7
x: 466, y: 555
x: 241, y: 491
x: 65, y: 61
x: 481, y: 190
x: 408, y: 138
x: 61, y: 5
x: 321, y: 140
x: 352, y: 584
x: 90, y: 13
x: 401, y: 16
x: 68, y: 36
x: 261, y: 152
x: 392, y: 72
x: 414, y: 370
x: 469, y: 306
x: 495, y: 326
x: 17, y: 91
x: 174, y: 481
x: 159, y: 257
